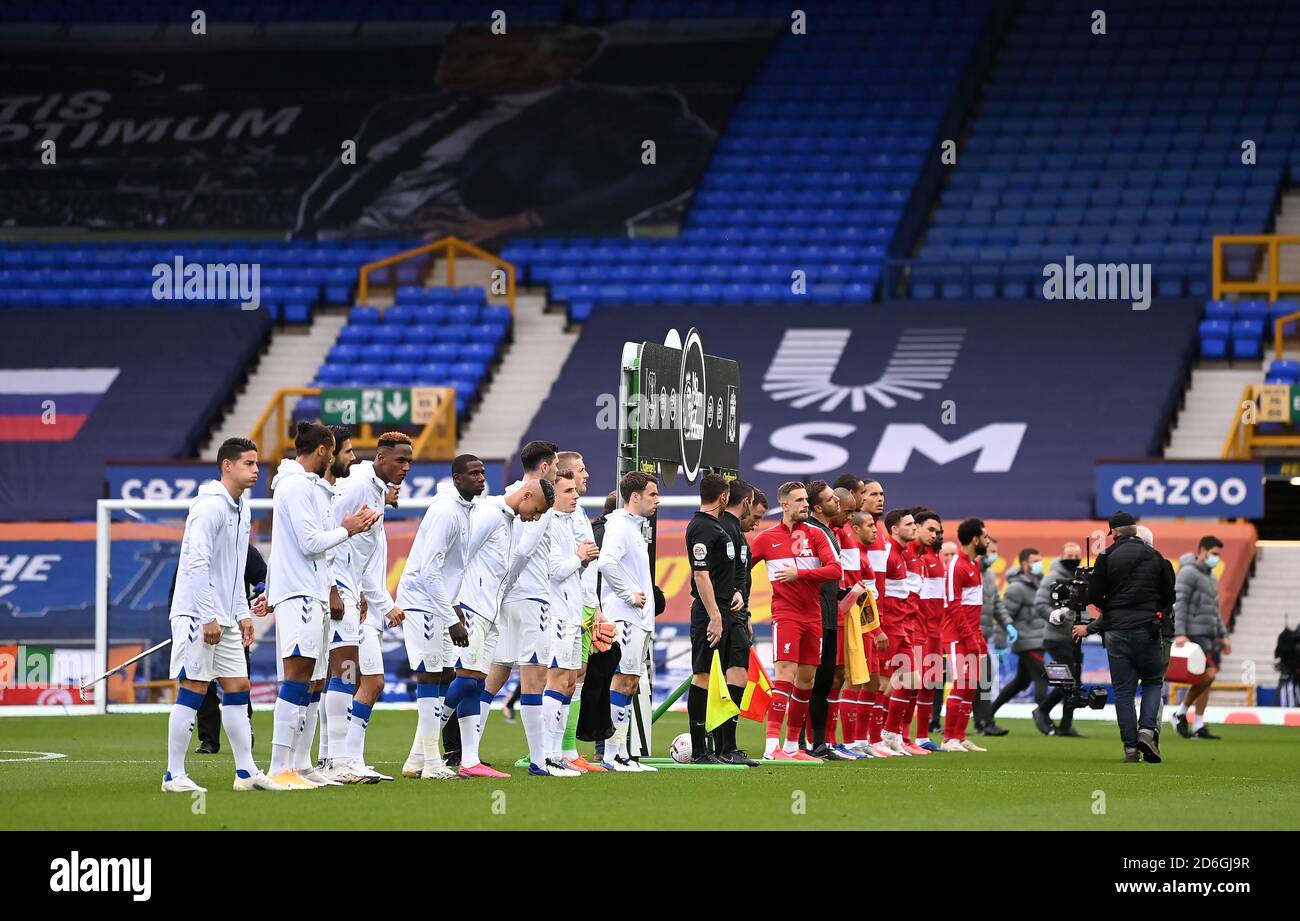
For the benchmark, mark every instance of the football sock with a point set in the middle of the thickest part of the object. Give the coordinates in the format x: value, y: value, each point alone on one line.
x: 234, y: 717
x: 358, y: 722
x: 180, y: 729
x: 530, y: 711
x: 338, y: 697
x: 290, y: 709
x: 697, y: 703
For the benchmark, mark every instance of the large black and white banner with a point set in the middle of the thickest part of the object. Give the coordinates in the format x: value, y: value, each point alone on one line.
x: 480, y: 135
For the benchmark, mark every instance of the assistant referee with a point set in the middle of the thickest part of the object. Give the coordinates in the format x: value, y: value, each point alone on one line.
x: 713, y: 586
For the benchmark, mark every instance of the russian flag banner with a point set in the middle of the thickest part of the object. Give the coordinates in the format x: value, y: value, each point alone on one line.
x: 49, y: 404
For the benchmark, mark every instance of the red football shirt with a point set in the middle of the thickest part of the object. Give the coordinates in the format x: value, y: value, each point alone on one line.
x: 965, y: 600
x: 808, y: 550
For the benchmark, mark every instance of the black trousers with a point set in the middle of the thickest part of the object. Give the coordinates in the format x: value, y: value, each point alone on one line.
x: 208, y: 722
x: 819, y: 703
x: 1029, y: 669
x: 1072, y: 655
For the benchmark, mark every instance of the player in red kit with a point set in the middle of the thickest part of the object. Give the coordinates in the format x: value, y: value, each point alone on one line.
x: 856, y: 706
x: 875, y: 698
x: 799, y: 559
x: 963, y: 640
x: 898, y: 611
x: 927, y: 637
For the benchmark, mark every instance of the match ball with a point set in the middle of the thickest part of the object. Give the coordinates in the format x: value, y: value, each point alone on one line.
x: 680, y: 750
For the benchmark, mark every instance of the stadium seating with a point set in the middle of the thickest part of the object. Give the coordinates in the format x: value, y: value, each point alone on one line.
x: 1119, y: 148
x: 779, y: 197
x: 431, y: 337
x: 294, y: 277
x: 1240, y: 329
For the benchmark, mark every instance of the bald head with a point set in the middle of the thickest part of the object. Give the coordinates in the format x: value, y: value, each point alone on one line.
x: 848, y: 505
x: 1145, y: 533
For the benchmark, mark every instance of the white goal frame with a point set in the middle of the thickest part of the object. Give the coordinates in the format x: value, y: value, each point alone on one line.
x: 104, y: 510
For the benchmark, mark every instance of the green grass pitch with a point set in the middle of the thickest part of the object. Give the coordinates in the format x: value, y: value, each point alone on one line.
x: 110, y: 778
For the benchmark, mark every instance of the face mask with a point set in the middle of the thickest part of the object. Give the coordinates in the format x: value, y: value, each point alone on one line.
x: 990, y: 559
x: 1070, y: 565
x: 1212, y: 560
x: 1037, y: 568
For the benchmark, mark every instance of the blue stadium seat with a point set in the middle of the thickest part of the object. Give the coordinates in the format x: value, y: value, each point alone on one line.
x: 1285, y: 371
x: 1220, y: 310
x: 343, y: 353
x: 368, y: 316
x: 453, y: 332
x: 420, y: 333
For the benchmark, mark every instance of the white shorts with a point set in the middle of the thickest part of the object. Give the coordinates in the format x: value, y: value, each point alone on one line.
x: 566, y: 642
x: 632, y: 641
x: 525, y: 639
x: 370, y: 657
x: 347, y: 632
x: 428, y: 645
x: 195, y: 660
x: 483, y: 637
x: 300, y: 625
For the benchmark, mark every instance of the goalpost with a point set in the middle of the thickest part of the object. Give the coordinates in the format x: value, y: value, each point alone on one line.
x: 105, y: 512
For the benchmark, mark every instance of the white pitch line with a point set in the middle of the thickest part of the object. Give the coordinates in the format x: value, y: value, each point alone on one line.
x: 44, y: 756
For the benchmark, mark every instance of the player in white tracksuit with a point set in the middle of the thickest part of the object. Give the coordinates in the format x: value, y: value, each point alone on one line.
x: 493, y: 526
x: 582, y: 531
x: 369, y: 484
x: 627, y: 600
x: 298, y: 582
x: 568, y: 557
x: 211, y: 622
x: 435, y: 624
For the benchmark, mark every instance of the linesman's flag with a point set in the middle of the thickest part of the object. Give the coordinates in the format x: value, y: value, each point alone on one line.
x: 720, y: 705
x: 758, y: 691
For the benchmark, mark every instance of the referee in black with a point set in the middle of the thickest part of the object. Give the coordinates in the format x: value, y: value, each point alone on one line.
x: 713, y: 586
x: 737, y: 634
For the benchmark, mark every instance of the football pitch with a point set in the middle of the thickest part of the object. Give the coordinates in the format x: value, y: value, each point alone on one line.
x: 113, y: 764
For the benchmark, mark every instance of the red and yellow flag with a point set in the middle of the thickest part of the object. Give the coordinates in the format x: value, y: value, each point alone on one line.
x: 758, y: 691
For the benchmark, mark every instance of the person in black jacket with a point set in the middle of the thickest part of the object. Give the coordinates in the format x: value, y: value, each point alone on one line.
x: 208, y: 722
x: 1131, y: 585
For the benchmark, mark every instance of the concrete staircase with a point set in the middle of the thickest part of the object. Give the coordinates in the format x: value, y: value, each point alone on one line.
x: 1208, y: 408
x: 1272, y: 595
x: 291, y: 360
x: 530, y: 364
x: 1287, y: 222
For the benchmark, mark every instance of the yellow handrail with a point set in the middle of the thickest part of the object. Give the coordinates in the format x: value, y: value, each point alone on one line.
x: 451, y: 245
x: 1273, y: 286
x: 1238, y: 440
x: 435, y: 442
x: 1277, y: 331
x: 1242, y: 440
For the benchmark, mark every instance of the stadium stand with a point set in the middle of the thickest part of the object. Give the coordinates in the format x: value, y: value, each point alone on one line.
x: 164, y: 376
x: 431, y: 337
x: 776, y: 198
x: 1125, y: 147
x: 295, y: 278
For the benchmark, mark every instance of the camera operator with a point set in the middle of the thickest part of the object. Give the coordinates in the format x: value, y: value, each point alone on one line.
x: 1131, y: 586
x: 1058, y: 642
